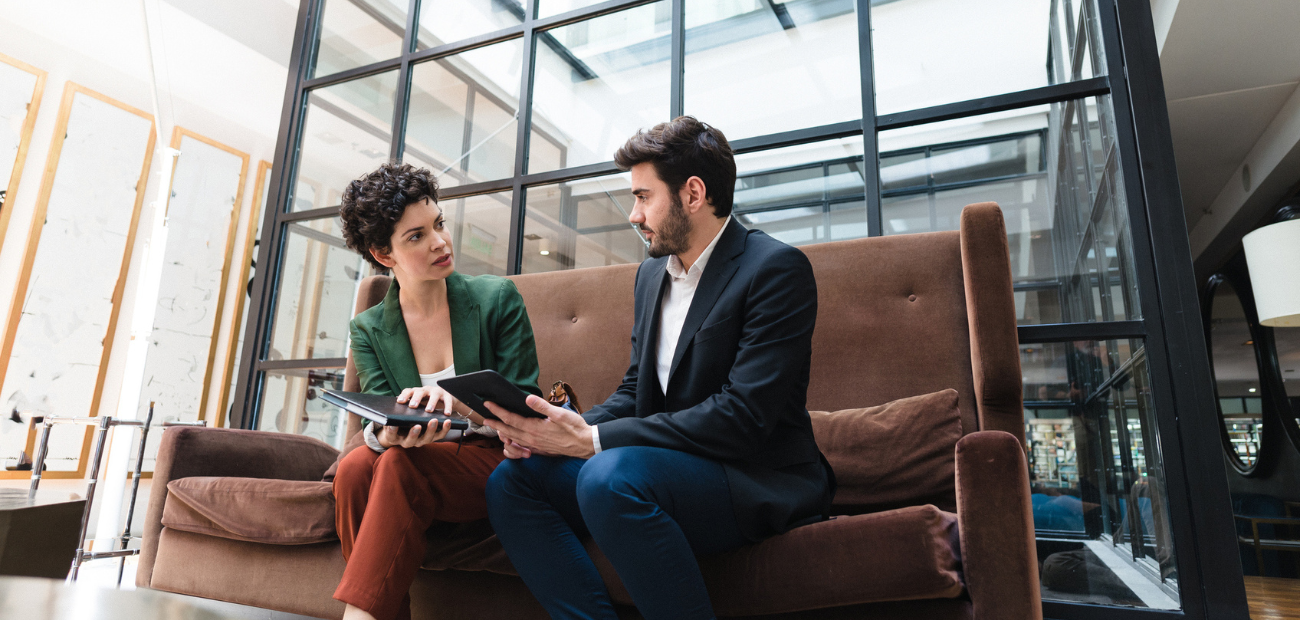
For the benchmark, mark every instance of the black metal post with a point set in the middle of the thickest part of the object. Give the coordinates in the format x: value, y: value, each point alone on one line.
x: 256, y: 326
x: 1200, y: 509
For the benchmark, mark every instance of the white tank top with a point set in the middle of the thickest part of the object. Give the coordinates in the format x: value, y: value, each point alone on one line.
x: 433, y: 379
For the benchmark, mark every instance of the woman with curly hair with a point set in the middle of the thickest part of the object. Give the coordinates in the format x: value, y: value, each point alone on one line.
x: 434, y: 323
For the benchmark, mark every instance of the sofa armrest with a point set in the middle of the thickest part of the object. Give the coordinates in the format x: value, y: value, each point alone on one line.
x: 996, y: 519
x: 991, y: 314
x: 197, y: 451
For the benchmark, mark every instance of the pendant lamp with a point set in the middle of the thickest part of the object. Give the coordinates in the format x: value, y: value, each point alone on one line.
x: 1273, y: 256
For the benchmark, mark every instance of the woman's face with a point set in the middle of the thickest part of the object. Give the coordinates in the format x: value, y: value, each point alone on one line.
x: 420, y: 248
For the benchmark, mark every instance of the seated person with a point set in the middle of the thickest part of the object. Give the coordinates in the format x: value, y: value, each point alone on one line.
x: 433, y: 324
x: 707, y: 444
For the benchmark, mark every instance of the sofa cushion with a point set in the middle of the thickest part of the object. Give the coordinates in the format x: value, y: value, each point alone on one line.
x: 905, y: 554
x: 278, y: 512
x: 892, y: 455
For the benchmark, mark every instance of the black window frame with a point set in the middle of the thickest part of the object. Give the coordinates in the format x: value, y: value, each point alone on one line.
x: 1181, y: 381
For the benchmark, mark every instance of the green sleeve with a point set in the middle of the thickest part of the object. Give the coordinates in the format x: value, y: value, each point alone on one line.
x: 369, y: 372
x: 516, y: 353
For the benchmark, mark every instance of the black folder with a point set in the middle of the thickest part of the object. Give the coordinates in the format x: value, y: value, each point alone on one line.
x: 386, y: 411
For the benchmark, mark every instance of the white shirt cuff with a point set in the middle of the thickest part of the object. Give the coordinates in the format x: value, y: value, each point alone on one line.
x: 371, y: 440
x: 595, y: 438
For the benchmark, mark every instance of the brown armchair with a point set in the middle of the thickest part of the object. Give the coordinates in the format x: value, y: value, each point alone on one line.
x: 898, y: 316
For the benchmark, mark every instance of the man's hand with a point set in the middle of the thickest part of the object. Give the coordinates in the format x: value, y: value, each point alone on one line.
x: 562, y: 433
x: 414, y: 438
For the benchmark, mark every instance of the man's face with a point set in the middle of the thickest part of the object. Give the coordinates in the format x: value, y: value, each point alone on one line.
x: 659, y: 213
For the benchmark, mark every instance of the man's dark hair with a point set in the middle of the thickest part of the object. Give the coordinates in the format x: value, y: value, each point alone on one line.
x: 374, y: 203
x: 683, y: 148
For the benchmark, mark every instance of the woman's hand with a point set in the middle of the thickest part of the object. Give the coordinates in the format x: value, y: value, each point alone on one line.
x: 435, y: 396
x: 414, y: 438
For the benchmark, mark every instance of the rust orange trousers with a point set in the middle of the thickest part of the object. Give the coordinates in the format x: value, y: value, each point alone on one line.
x: 385, y: 502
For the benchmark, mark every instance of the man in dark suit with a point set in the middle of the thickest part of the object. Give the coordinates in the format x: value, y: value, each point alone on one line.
x: 707, y: 444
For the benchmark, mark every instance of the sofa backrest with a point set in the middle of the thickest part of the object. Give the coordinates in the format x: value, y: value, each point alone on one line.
x: 897, y: 316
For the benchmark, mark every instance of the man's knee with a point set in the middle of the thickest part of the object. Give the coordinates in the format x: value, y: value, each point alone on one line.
x: 609, y: 477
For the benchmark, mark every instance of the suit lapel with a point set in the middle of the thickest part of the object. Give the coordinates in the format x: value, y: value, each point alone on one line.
x: 649, y: 336
x: 394, y: 349
x: 722, y: 265
x: 464, y: 312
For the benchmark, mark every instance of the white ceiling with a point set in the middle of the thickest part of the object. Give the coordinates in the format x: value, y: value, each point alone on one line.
x: 1229, y: 68
x: 264, y: 26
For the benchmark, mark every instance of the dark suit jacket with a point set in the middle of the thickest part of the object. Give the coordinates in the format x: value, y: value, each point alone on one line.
x: 489, y: 330
x: 738, y: 386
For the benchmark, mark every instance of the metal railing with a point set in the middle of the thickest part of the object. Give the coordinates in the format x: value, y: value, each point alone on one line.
x: 102, y: 425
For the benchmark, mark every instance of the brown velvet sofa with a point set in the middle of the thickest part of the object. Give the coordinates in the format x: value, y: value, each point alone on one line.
x: 244, y: 516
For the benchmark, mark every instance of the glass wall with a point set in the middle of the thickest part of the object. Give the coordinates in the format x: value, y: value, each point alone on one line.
x: 850, y: 118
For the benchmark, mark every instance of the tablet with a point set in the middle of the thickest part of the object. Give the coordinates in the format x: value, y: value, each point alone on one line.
x: 488, y: 385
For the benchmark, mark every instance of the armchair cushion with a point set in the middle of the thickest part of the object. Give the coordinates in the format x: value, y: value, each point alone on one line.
x: 277, y: 512
x: 905, y: 554
x: 892, y: 455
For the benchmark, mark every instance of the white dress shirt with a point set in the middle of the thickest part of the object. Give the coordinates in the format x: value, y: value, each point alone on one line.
x: 674, y: 305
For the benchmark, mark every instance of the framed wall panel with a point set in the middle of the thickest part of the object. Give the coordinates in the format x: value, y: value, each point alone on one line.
x: 207, y: 188
x: 21, y: 87
x: 261, y: 190
x: 65, y: 307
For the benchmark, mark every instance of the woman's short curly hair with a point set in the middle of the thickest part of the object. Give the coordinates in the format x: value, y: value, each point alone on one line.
x: 373, y: 204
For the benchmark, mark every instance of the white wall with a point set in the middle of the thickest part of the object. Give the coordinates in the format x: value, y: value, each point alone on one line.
x: 209, y: 83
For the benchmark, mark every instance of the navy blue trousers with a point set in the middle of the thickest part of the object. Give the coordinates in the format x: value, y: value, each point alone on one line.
x: 651, y: 510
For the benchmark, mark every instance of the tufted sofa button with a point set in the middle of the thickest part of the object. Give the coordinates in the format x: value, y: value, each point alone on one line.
x: 575, y: 319
x: 911, y: 297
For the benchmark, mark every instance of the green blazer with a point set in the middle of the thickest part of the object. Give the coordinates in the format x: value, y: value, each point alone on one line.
x: 489, y: 330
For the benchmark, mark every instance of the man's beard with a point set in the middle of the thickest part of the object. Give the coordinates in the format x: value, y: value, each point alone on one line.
x: 673, y: 236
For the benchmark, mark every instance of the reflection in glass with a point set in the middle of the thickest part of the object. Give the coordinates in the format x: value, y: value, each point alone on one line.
x: 479, y: 237
x: 319, y: 277
x: 1075, y: 52
x: 597, y: 82
x: 1287, y: 341
x: 810, y: 193
x: 1061, y: 193
x: 547, y: 8
x: 461, y: 121
x: 1236, y: 374
x: 1096, y: 475
x: 580, y: 224
x: 448, y: 21
x: 346, y: 132
x: 291, y: 403
x: 355, y: 33
x: 755, y: 67
x: 245, y: 290
x: 944, y: 51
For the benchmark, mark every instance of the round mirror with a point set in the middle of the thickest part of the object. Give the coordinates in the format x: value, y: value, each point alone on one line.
x: 1287, y: 342
x: 1236, y: 375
